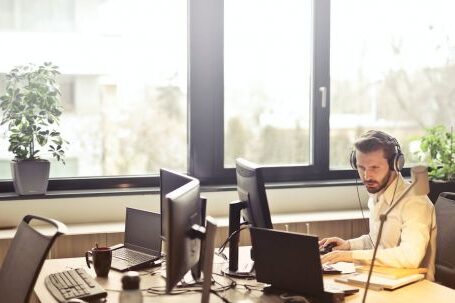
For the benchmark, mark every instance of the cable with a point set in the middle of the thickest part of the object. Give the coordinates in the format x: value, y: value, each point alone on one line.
x: 360, y: 203
x: 251, y: 287
x: 223, y: 246
x: 220, y: 296
x: 361, y: 208
x: 161, y: 290
x: 395, y: 189
x: 150, y: 272
x: 216, y: 291
x: 232, y: 283
x: 293, y: 298
x: 382, y: 218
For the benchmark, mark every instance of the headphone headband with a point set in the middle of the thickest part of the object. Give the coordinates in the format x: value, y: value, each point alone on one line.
x: 395, y: 161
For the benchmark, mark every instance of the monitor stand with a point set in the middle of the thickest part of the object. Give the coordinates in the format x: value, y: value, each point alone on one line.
x: 207, y: 236
x: 247, y: 272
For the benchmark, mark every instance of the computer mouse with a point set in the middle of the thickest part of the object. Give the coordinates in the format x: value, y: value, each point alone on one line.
x: 327, y: 248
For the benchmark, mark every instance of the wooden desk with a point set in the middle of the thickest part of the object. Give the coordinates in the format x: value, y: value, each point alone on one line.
x: 422, y: 291
x: 113, y: 285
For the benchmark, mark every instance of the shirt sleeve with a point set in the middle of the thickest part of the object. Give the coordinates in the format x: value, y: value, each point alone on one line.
x: 417, y: 217
x: 360, y: 243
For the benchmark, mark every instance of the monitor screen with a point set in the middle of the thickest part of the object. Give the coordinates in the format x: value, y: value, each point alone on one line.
x: 169, y: 181
x: 183, y: 210
x: 251, y: 189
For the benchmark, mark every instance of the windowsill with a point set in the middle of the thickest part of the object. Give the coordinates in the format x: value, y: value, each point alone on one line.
x: 82, y: 193
x: 155, y: 190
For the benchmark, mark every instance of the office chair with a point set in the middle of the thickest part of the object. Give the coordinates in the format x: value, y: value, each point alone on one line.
x: 24, y: 259
x: 445, y: 239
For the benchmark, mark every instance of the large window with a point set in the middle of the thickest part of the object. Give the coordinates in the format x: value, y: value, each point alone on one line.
x: 191, y: 85
x: 123, y: 83
x: 392, y: 68
x: 267, y: 89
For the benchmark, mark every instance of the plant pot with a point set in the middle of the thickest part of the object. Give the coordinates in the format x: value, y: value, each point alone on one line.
x: 30, y: 177
x: 437, y: 187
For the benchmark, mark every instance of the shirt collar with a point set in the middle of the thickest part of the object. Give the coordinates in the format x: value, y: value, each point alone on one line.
x: 392, y: 191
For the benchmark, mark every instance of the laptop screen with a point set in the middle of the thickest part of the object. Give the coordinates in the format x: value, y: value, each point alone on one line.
x: 287, y: 261
x: 143, y: 230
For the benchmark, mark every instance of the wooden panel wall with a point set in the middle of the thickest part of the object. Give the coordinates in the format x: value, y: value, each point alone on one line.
x: 68, y: 246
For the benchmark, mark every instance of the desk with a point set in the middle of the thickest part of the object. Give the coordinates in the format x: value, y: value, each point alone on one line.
x: 112, y: 285
x: 422, y: 291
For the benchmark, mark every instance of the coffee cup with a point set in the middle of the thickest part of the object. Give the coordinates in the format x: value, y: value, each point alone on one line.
x: 101, y: 259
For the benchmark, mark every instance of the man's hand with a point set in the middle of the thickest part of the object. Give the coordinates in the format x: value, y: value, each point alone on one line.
x: 337, y: 256
x: 341, y: 244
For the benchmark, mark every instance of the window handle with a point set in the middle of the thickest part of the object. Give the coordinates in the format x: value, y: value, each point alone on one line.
x: 323, y: 91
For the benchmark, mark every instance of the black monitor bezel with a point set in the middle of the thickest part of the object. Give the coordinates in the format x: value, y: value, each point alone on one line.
x: 254, y: 195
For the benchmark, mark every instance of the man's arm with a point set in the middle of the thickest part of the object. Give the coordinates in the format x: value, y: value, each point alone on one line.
x: 362, y: 242
x: 414, y: 239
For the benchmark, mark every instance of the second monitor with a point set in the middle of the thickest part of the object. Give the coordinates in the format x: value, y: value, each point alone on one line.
x: 189, y: 240
x: 251, y: 191
x: 252, y: 206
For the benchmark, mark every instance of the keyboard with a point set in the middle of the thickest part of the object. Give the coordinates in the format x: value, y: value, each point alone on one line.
x: 74, y: 283
x: 132, y: 256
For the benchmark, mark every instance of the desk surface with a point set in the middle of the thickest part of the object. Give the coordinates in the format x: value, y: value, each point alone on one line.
x: 422, y: 291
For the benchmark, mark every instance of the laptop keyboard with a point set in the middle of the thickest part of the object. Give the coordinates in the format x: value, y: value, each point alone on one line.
x: 132, y: 256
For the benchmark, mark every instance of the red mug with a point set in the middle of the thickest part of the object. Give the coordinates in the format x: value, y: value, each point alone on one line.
x: 101, y: 258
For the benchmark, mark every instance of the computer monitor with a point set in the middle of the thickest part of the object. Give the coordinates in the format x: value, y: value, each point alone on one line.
x: 252, y: 206
x: 169, y: 181
x: 251, y: 190
x: 187, y: 237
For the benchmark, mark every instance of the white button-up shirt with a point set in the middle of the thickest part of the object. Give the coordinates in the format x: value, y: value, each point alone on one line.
x: 409, y: 233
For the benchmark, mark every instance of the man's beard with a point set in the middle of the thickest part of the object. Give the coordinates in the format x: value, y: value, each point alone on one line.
x: 382, y: 184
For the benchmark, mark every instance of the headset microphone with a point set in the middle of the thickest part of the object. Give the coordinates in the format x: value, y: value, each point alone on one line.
x: 420, y: 187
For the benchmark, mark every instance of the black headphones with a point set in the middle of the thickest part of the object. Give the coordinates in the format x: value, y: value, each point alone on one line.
x: 396, y: 161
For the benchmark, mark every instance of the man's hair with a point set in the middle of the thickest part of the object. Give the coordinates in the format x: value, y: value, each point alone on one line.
x: 374, y: 140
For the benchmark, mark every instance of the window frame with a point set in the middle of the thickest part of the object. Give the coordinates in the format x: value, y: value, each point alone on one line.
x: 206, y: 98
x: 206, y: 110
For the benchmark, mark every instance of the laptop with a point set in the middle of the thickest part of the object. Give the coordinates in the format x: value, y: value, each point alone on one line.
x: 291, y: 262
x: 142, y: 245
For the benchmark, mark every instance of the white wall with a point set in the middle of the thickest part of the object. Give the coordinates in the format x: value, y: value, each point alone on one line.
x: 112, y: 208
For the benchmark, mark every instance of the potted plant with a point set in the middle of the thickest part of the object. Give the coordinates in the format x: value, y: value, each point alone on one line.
x: 31, y: 110
x: 438, y: 147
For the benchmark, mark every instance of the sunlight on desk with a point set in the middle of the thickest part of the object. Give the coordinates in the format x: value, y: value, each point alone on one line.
x: 423, y: 291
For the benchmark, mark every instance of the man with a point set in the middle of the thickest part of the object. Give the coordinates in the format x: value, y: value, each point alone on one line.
x: 409, y: 233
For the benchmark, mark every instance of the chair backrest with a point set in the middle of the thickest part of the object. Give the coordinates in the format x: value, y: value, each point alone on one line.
x: 24, y: 259
x: 445, y: 250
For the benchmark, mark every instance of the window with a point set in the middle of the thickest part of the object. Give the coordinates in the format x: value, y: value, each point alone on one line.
x: 123, y: 83
x: 289, y: 84
x: 32, y: 16
x: 392, y: 68
x: 267, y: 84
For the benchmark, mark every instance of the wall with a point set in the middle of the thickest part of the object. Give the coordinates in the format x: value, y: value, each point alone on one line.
x: 112, y: 208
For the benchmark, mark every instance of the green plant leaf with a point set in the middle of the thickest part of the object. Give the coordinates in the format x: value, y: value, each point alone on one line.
x: 438, y: 146
x: 29, y: 106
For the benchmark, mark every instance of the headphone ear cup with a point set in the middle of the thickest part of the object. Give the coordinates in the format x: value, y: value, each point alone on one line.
x: 398, y: 161
x: 353, y: 160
